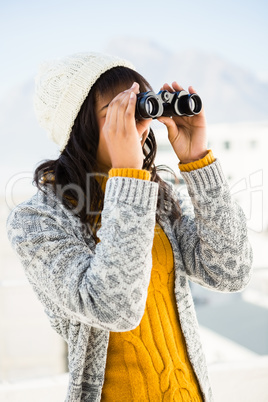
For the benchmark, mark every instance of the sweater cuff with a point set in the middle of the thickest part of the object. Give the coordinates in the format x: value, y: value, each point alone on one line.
x: 129, y: 172
x: 210, y: 176
x: 207, y: 160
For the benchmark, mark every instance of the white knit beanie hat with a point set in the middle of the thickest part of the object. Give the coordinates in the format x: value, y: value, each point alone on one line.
x: 61, y: 87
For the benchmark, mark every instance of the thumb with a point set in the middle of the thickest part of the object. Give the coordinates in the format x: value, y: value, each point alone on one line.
x: 170, y: 124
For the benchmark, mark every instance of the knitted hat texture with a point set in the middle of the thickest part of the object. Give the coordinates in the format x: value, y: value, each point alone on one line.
x: 61, y: 86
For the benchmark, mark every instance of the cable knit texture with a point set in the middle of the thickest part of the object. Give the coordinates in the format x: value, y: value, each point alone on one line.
x: 135, y: 173
x: 88, y: 290
x: 150, y: 363
x: 61, y: 86
x: 207, y: 160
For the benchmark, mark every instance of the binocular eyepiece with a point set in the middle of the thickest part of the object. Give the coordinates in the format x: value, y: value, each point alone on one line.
x: 151, y: 105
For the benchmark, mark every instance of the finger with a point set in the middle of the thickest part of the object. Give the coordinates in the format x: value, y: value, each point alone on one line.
x: 191, y: 90
x: 120, y: 102
x: 111, y: 115
x: 170, y: 124
x: 118, y: 97
x: 176, y: 86
x: 111, y: 109
x: 121, y: 111
x: 129, y: 118
x: 167, y: 87
x: 111, y: 118
x: 134, y: 88
x: 168, y: 121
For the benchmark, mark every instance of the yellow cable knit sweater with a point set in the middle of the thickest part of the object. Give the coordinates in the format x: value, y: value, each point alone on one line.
x: 150, y: 363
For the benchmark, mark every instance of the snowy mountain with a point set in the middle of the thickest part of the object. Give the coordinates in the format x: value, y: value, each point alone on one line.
x: 229, y: 92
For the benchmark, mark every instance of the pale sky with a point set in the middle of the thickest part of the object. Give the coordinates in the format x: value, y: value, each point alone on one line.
x: 33, y: 31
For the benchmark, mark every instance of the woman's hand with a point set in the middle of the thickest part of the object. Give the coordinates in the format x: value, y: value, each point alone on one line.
x: 124, y: 136
x: 187, y: 135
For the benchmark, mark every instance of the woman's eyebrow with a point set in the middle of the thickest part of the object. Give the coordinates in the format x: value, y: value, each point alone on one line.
x: 104, y: 107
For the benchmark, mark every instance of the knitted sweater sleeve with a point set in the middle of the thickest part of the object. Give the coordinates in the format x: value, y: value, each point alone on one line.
x: 212, y: 232
x: 105, y: 286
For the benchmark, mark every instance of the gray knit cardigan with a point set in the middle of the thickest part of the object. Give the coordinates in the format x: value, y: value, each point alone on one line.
x: 88, y: 290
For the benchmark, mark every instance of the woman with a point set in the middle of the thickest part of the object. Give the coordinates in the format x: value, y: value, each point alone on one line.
x: 109, y: 247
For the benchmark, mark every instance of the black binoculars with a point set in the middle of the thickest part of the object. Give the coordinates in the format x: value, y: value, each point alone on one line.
x: 151, y: 105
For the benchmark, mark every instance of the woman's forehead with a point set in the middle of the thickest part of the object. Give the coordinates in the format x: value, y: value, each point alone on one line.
x: 113, y: 91
x: 110, y: 93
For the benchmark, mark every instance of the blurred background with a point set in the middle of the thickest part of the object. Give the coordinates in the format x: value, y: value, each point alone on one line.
x: 218, y: 47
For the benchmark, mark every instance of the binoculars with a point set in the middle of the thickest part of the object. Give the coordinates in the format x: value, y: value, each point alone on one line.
x: 150, y: 105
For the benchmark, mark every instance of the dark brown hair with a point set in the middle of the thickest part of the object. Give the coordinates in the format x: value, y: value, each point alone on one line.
x: 70, y: 172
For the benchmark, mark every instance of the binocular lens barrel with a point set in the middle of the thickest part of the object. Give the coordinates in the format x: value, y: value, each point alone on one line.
x: 148, y: 106
x: 151, y: 105
x: 188, y: 105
